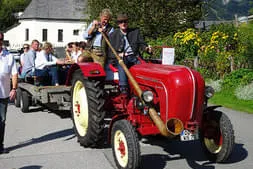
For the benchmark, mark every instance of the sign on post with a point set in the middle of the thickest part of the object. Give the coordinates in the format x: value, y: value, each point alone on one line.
x: 168, y: 56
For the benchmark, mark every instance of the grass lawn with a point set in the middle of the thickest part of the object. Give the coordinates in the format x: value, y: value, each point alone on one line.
x: 227, y: 99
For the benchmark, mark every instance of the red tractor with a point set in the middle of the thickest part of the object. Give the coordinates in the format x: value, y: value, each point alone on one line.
x: 166, y: 100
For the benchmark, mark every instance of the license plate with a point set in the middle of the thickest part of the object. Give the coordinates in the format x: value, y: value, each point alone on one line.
x: 186, y: 135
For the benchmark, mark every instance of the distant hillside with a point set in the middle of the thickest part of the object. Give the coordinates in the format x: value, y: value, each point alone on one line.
x: 226, y: 9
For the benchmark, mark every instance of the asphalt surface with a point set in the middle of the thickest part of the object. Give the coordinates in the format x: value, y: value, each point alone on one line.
x: 45, y: 140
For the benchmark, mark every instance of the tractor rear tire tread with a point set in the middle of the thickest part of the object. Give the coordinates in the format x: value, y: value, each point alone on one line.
x: 93, y: 88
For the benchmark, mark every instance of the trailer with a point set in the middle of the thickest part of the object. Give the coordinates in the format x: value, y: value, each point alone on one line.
x: 53, y: 97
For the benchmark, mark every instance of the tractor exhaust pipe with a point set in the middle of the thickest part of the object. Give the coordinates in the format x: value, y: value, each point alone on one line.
x: 173, y: 126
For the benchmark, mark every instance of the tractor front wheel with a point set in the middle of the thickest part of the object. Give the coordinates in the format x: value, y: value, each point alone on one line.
x: 217, y: 136
x: 125, y: 145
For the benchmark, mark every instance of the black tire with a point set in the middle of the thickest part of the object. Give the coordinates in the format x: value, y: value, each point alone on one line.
x: 24, y: 102
x: 87, y: 110
x: 125, y: 145
x: 217, y: 136
x: 18, y: 97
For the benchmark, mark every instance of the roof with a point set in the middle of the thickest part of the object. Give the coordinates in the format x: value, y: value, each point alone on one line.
x: 56, y: 9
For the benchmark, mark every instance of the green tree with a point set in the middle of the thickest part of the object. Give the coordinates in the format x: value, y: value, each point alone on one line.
x: 7, y: 12
x: 154, y: 18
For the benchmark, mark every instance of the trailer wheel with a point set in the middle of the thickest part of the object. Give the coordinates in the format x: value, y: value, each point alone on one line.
x: 24, y: 102
x: 217, y: 136
x: 125, y: 145
x: 87, y: 110
x: 18, y: 97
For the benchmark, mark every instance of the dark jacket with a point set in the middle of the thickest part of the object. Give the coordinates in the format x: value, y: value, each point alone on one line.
x: 135, y: 40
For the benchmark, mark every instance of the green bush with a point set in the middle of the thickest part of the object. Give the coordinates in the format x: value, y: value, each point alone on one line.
x: 237, y: 78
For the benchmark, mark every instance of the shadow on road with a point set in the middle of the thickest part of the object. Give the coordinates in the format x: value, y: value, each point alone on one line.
x: 191, y: 151
x: 31, y: 167
x: 48, y: 137
x: 61, y: 113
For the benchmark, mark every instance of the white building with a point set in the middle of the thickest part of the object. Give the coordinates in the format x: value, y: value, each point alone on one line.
x: 55, y: 21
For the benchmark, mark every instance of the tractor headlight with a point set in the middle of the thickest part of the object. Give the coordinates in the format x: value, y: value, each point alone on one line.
x: 209, y: 92
x: 147, y: 96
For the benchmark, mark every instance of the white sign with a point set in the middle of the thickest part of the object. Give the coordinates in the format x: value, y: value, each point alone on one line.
x: 168, y: 56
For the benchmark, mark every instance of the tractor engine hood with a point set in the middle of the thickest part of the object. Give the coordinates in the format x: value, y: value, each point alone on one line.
x: 176, y: 88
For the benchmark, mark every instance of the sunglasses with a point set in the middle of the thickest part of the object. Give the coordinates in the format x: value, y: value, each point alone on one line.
x: 26, y: 47
x: 123, y: 21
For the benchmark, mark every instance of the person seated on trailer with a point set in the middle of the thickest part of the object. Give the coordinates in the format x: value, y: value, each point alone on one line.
x: 25, y: 50
x: 83, y: 57
x: 68, y: 51
x: 28, y: 67
x: 127, y: 42
x: 45, y: 64
x: 75, y: 53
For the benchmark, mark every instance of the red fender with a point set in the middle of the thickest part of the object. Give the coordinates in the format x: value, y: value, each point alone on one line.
x: 89, y: 69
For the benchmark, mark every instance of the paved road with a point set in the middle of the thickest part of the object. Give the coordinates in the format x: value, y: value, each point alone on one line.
x: 45, y: 140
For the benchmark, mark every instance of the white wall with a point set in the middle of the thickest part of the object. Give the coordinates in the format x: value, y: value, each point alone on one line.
x: 16, y: 35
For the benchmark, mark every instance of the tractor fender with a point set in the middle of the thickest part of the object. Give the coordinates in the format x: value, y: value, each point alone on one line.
x: 114, y: 119
x: 89, y: 69
x: 211, y: 108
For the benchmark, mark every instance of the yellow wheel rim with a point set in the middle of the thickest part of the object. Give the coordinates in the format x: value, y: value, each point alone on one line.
x: 120, y: 148
x: 212, y: 146
x: 80, y: 108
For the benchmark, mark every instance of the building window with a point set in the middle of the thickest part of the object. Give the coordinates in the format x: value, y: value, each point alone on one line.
x: 44, y: 34
x: 60, y: 35
x: 26, y: 34
x: 76, y: 32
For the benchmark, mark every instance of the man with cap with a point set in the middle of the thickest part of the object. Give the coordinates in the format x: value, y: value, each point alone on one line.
x: 94, y: 37
x: 127, y: 42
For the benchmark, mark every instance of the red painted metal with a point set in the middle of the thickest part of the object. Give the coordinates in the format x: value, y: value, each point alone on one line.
x: 78, y: 109
x: 122, y: 148
x: 178, y: 93
x: 89, y: 69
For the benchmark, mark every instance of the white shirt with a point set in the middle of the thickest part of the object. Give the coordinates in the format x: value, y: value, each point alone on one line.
x: 42, y: 60
x: 74, y: 55
x: 7, y: 68
x: 98, y: 35
x: 127, y: 49
x: 22, y: 57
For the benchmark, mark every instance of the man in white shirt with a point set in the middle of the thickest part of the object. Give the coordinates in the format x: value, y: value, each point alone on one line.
x: 45, y: 64
x: 7, y: 69
x: 28, y: 66
x: 25, y: 49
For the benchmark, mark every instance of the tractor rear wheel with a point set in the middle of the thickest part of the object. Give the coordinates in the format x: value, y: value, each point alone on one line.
x: 87, y: 109
x: 125, y: 145
x: 217, y: 136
